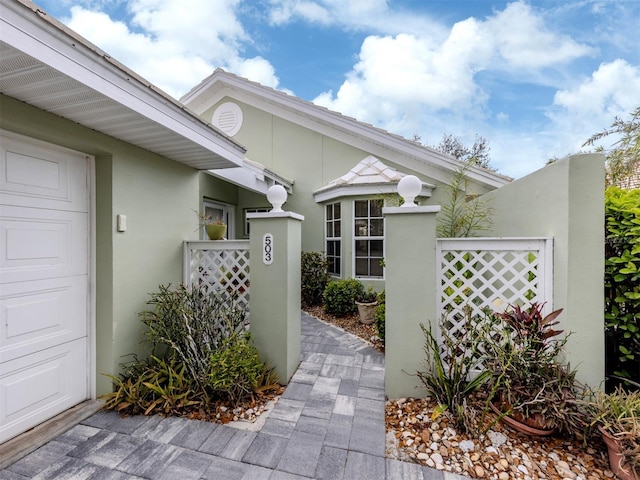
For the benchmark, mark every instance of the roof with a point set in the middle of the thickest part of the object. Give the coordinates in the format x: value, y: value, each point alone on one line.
x: 376, y: 141
x: 369, y: 176
x: 49, y: 66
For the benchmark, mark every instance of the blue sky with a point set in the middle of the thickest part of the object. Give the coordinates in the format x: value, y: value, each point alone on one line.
x: 535, y: 78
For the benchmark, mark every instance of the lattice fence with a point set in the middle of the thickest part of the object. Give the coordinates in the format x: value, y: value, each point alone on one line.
x: 489, y: 274
x: 219, y: 265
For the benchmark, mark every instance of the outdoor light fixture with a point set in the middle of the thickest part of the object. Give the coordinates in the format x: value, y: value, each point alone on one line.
x: 409, y: 188
x: 277, y: 195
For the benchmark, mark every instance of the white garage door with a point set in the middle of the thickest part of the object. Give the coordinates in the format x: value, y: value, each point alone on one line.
x: 44, y: 279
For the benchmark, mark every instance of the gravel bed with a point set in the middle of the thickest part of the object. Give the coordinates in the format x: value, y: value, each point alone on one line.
x: 501, y: 453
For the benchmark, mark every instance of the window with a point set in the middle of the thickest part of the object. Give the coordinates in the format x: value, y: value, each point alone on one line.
x: 368, y: 237
x: 247, y: 226
x: 333, y: 238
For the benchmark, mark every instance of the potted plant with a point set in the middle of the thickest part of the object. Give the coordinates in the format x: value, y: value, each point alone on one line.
x: 617, y: 416
x: 534, y: 391
x: 367, y: 302
x: 216, y: 229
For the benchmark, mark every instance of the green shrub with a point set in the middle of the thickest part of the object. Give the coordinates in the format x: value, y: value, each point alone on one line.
x: 339, y: 297
x: 235, y: 369
x: 200, y: 352
x: 449, y: 367
x: 622, y: 282
x: 314, y: 278
x: 154, y: 386
x: 380, y: 318
x: 191, y: 323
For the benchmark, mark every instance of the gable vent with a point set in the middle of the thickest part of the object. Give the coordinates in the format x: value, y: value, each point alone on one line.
x: 228, y: 118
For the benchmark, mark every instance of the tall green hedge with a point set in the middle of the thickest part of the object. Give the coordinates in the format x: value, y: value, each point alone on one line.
x: 622, y: 282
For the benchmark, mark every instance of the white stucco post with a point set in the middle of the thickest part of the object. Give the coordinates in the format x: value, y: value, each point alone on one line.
x: 410, y: 274
x: 275, y: 249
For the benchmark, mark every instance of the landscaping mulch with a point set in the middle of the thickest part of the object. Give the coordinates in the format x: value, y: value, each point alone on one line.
x: 500, y: 454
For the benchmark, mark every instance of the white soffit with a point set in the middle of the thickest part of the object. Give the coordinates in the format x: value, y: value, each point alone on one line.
x: 253, y: 176
x: 369, y: 177
x: 49, y: 66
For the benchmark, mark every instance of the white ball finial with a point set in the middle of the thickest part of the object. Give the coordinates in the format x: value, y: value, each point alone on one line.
x: 409, y: 187
x: 277, y: 195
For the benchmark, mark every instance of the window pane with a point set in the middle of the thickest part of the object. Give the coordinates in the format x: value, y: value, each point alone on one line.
x: 376, y: 228
x: 361, y: 228
x: 337, y: 228
x: 336, y: 266
x: 375, y: 269
x: 361, y: 207
x: 330, y: 249
x: 336, y: 210
x: 331, y: 265
x: 362, y: 265
x: 362, y: 248
x: 376, y: 247
x: 376, y: 208
x: 329, y: 212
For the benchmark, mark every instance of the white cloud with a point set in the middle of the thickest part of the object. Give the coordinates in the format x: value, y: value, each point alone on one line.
x: 523, y: 40
x: 173, y: 46
x: 591, y: 105
x: 360, y: 15
x: 429, y: 85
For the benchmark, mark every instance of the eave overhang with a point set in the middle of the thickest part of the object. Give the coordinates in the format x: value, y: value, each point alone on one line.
x: 254, y: 176
x: 49, y: 66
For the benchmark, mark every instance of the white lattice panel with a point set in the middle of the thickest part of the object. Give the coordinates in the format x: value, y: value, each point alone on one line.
x: 219, y: 265
x: 490, y: 274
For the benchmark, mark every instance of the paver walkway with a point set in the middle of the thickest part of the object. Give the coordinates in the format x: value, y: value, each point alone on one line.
x: 328, y: 424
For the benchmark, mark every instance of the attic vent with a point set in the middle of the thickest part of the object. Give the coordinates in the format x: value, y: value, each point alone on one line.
x: 228, y: 118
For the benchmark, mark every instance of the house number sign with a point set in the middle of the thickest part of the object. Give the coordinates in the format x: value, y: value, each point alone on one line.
x: 267, y: 249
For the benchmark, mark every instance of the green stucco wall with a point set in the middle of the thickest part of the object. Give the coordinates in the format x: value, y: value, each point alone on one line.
x: 158, y: 196
x: 312, y: 160
x: 565, y: 200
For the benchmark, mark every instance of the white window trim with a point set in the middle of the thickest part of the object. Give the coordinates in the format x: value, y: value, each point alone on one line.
x: 368, y: 237
x: 341, y: 256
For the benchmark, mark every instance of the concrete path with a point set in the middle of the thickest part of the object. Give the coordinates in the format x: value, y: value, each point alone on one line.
x: 328, y: 424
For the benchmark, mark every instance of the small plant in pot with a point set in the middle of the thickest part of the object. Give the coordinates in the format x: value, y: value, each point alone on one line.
x: 617, y: 416
x: 367, y: 301
x: 216, y: 229
x: 535, y: 392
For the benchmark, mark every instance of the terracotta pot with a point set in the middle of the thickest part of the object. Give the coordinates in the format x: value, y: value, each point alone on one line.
x: 215, y: 231
x: 367, y: 312
x: 616, y: 460
x: 519, y: 424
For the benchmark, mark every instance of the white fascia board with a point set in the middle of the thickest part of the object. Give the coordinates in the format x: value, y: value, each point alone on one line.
x: 250, y: 178
x: 243, y: 178
x: 327, y: 194
x: 35, y: 35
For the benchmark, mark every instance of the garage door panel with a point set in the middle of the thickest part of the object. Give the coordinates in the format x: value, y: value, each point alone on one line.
x: 35, y: 174
x: 41, y: 385
x: 44, y: 281
x: 38, y: 315
x: 40, y: 244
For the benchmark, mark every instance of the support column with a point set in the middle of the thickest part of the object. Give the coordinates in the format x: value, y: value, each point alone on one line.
x: 275, y: 249
x: 410, y: 278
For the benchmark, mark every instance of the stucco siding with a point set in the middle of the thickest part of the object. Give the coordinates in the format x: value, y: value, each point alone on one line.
x: 565, y: 201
